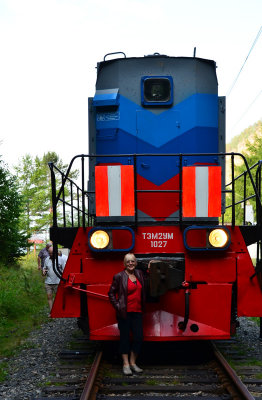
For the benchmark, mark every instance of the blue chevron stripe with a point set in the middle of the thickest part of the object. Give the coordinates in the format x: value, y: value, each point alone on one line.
x: 189, y: 127
x: 158, y: 129
x: 155, y: 169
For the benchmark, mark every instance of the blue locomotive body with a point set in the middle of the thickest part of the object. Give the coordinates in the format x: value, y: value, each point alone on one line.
x: 157, y: 105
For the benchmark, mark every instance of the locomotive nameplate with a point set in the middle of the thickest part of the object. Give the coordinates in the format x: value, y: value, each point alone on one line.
x: 158, y: 239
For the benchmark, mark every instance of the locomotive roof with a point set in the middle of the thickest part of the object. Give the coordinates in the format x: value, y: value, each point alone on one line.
x: 101, y: 64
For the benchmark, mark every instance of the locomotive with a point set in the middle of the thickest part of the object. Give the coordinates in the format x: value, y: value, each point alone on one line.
x: 154, y: 183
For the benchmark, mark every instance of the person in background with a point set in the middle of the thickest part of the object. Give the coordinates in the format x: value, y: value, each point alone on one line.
x: 42, y: 256
x: 52, y: 280
x: 127, y: 295
x: 63, y: 256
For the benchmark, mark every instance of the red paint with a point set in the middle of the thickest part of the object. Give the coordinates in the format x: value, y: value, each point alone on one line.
x: 127, y: 190
x: 157, y: 204
x: 101, y: 187
x: 210, y: 276
x: 214, y: 191
x: 189, y: 192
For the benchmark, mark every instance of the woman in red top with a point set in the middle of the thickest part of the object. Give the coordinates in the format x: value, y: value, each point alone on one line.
x: 127, y: 294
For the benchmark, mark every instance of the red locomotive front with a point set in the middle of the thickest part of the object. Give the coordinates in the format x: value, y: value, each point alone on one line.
x: 157, y: 188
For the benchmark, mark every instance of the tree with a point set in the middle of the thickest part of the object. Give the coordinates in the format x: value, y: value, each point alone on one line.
x: 25, y: 172
x: 12, y: 238
x: 35, y: 187
x: 253, y: 154
x: 250, y: 142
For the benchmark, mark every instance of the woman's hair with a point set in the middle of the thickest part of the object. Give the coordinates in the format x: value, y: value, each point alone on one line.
x: 129, y: 256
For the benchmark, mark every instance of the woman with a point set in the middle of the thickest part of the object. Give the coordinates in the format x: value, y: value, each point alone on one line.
x: 128, y: 294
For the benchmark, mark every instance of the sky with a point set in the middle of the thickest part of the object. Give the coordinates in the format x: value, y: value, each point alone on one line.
x: 49, y: 50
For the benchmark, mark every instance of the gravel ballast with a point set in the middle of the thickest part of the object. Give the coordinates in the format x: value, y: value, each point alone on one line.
x: 32, y: 367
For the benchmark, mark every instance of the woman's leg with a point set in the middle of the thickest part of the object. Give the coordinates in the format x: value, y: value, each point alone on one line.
x: 137, y: 330
x: 124, y: 342
x: 125, y: 359
x: 133, y: 357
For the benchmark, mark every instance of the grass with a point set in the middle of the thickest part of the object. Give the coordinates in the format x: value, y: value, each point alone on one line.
x: 111, y: 374
x: 256, y: 320
x: 23, y: 307
x: 151, y: 382
x: 251, y: 362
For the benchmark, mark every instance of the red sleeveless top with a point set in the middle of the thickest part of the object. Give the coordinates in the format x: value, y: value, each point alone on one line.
x: 134, y: 296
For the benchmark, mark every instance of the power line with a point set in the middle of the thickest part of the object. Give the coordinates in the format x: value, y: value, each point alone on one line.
x: 248, y: 108
x: 253, y: 45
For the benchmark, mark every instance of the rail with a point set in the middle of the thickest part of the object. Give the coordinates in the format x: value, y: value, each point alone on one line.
x: 241, y: 390
x: 185, y: 383
x: 90, y: 382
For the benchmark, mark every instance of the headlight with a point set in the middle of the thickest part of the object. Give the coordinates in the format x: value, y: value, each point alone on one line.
x: 99, y: 239
x: 218, y: 238
x: 111, y: 238
x: 206, y: 238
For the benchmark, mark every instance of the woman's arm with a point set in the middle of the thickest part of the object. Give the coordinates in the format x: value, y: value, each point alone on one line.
x: 113, y: 291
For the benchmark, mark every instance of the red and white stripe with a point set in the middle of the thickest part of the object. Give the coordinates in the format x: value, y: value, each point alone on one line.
x: 114, y: 186
x: 201, y: 191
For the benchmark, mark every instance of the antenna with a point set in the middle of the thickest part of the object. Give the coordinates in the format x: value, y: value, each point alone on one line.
x: 194, y: 52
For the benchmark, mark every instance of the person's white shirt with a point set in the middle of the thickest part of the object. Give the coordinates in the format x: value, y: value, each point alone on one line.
x: 51, y: 277
x: 63, y: 257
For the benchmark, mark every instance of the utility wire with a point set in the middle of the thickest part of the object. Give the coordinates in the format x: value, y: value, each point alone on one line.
x: 253, y: 45
x: 250, y: 105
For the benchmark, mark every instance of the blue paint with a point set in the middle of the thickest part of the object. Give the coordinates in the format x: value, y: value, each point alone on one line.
x: 107, y: 116
x: 161, y: 169
x: 189, y: 127
x: 197, y: 110
x: 106, y: 99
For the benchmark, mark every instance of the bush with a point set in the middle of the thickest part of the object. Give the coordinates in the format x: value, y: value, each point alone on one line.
x: 21, y: 289
x: 23, y: 304
x: 12, y: 240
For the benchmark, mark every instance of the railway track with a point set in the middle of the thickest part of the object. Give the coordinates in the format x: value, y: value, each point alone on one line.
x: 201, y: 372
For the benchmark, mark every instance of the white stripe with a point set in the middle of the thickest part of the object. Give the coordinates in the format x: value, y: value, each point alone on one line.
x: 114, y: 190
x: 201, y: 191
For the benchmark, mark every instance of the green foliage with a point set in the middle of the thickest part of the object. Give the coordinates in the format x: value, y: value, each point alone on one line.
x: 254, y: 146
x: 20, y: 288
x: 35, y: 188
x: 249, y: 143
x: 25, y: 173
x: 152, y: 382
x: 253, y: 154
x: 23, y: 305
x: 12, y: 238
x: 256, y: 320
x: 243, y: 137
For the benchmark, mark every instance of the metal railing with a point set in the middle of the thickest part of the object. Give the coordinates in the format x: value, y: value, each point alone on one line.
x: 255, y: 184
x: 71, y: 201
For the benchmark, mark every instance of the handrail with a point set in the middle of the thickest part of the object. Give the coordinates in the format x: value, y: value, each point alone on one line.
x: 85, y: 195
x: 256, y: 185
x: 259, y: 222
x: 116, y: 52
x: 250, y: 168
